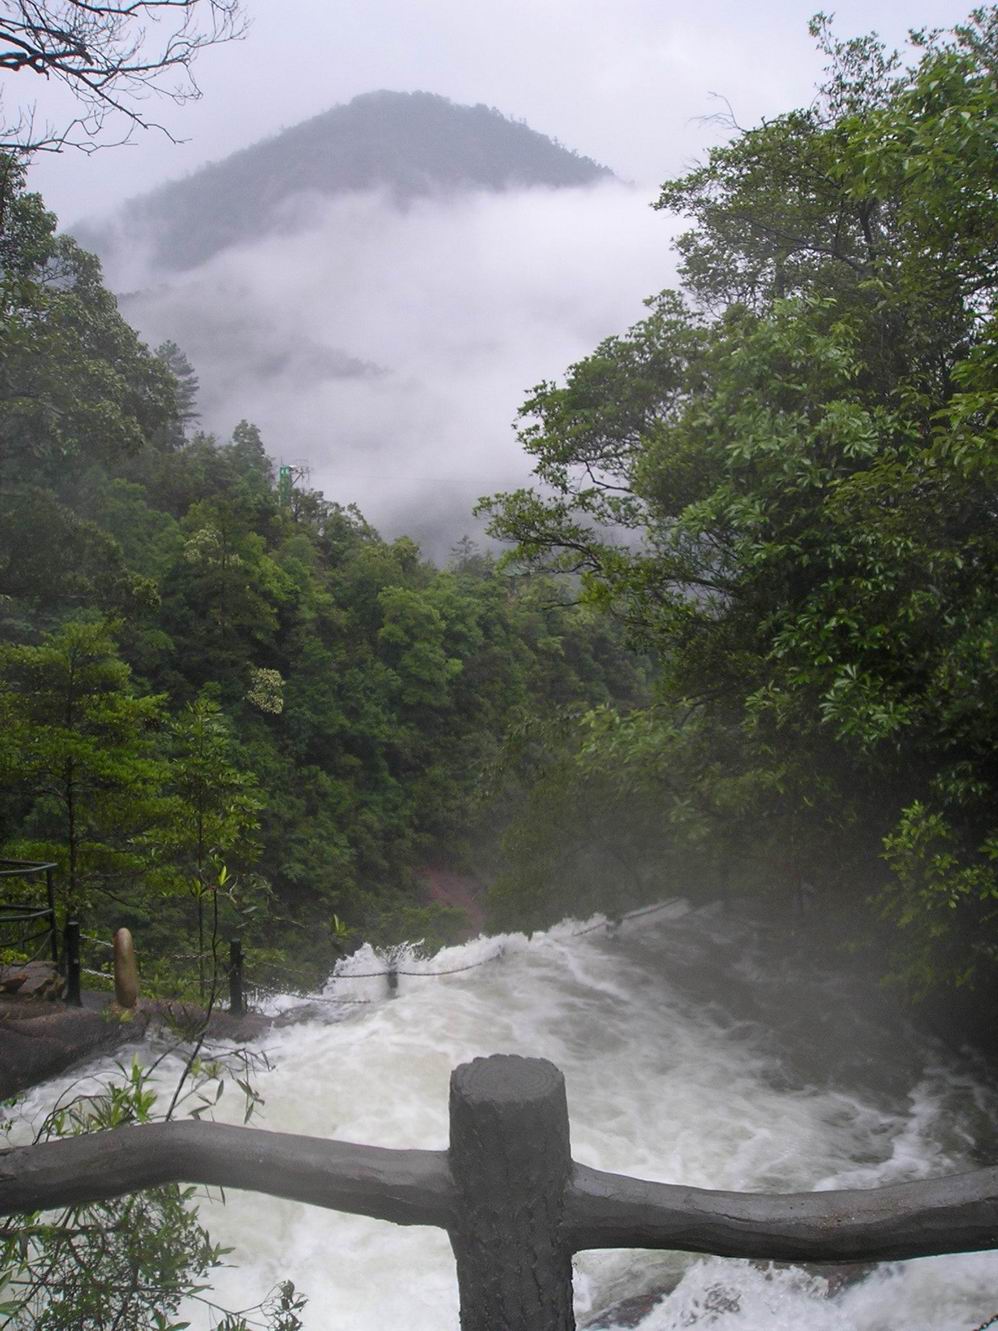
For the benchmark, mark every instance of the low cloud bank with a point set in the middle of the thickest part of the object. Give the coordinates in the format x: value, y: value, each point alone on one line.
x: 390, y: 350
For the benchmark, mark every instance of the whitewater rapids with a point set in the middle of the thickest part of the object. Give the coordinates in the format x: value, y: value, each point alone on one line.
x: 696, y: 1049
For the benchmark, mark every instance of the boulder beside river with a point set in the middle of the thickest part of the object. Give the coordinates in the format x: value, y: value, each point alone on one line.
x: 40, y: 1039
x: 41, y: 1036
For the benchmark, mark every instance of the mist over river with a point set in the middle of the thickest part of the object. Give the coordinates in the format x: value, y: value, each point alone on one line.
x: 697, y: 1048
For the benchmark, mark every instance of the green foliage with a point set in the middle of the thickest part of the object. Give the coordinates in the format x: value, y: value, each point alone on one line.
x: 226, y: 708
x: 779, y: 486
x: 79, y: 755
x: 311, y: 705
x: 938, y: 875
x: 581, y: 839
x: 210, y: 813
x: 213, y: 806
x: 128, y: 1263
x: 802, y: 450
x: 74, y: 376
x: 75, y: 385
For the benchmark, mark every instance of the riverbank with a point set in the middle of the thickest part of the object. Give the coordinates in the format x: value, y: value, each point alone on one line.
x: 40, y: 1039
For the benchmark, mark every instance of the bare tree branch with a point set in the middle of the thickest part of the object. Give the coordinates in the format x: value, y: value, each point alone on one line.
x: 112, y: 58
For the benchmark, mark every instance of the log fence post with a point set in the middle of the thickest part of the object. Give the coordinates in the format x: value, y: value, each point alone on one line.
x: 53, y: 926
x: 236, y: 1005
x: 73, y: 967
x: 511, y: 1163
x: 126, y: 971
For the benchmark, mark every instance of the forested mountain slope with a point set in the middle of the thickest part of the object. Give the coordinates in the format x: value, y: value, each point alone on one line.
x: 205, y: 670
x: 409, y: 144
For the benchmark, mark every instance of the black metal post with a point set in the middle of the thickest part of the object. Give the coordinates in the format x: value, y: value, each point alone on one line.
x: 53, y: 927
x: 511, y: 1164
x: 236, y: 1006
x: 392, y: 976
x: 73, y: 971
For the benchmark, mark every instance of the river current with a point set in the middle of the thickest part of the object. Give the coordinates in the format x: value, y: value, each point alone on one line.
x: 697, y: 1048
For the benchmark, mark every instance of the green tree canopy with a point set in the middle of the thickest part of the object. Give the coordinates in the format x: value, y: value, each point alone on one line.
x: 784, y: 481
x: 78, y: 754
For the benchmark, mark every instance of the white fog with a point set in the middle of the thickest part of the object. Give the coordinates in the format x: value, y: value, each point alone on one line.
x: 390, y: 349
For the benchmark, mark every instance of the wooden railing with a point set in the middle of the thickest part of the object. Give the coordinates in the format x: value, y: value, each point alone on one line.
x: 514, y: 1203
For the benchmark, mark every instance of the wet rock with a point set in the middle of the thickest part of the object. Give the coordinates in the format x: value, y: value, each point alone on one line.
x: 632, y: 1311
x: 39, y: 1043
x: 837, y: 1275
x: 39, y: 1040
x: 33, y: 979
x: 719, y: 1299
x: 321, y: 1013
x: 188, y: 1021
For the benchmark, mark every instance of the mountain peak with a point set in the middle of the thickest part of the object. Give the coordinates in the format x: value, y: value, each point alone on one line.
x: 410, y: 144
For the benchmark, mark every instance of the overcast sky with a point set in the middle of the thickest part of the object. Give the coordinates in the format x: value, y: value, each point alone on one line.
x: 623, y: 81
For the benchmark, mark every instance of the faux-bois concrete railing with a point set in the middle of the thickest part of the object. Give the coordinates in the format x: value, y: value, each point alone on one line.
x: 511, y: 1198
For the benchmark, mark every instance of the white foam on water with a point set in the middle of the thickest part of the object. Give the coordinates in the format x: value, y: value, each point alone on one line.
x: 927, y: 1295
x: 664, y: 1082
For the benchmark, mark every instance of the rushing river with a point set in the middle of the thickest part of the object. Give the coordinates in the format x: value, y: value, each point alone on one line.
x: 695, y: 1050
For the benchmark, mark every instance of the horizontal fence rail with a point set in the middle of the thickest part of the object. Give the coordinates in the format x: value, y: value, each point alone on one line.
x: 514, y: 1203
x: 922, y: 1219
x: 406, y: 1187
x: 19, y: 914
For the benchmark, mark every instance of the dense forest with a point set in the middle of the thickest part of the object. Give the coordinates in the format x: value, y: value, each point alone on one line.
x: 206, y: 664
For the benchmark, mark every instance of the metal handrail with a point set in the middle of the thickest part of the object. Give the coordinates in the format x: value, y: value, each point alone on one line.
x: 25, y: 866
x: 13, y: 910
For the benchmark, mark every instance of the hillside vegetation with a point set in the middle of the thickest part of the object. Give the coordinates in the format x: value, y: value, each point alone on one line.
x: 745, y: 642
x: 801, y: 447
x: 204, y: 671
x: 408, y: 144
